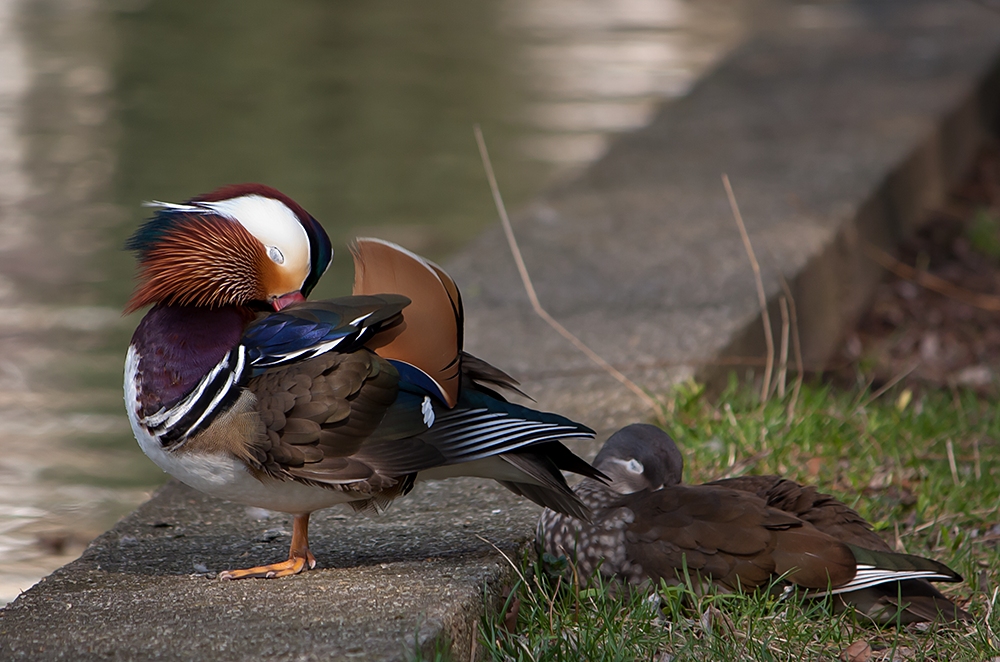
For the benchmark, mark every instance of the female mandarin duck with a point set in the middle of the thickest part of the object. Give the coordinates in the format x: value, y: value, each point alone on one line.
x: 348, y: 400
x: 738, y: 533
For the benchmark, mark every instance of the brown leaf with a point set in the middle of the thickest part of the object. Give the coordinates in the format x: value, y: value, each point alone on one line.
x: 513, y: 609
x: 859, y: 651
x: 510, y: 618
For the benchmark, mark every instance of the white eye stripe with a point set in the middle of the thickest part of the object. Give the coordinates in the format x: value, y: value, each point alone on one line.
x: 272, y: 223
x: 631, y: 465
x: 635, y: 466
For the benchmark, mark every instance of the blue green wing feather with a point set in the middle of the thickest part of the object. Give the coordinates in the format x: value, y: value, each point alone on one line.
x: 306, y: 330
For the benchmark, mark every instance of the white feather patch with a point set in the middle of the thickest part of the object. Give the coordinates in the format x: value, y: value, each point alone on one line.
x: 427, y: 409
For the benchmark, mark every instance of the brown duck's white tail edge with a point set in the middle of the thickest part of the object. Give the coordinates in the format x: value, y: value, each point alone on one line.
x: 432, y: 337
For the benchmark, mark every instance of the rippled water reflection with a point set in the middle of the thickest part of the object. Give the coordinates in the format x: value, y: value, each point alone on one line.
x: 360, y: 111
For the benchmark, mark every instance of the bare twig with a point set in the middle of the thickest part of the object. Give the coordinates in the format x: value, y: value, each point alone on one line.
x: 941, y: 519
x: 950, y: 447
x: 934, y: 283
x: 739, y: 361
x: 889, y: 384
x: 530, y: 289
x: 761, y: 297
x: 507, y: 558
x: 737, y: 468
x: 976, y: 459
x: 783, y: 352
x: 796, y: 349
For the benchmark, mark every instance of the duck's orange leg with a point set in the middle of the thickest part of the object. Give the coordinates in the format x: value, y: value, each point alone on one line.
x: 299, y: 556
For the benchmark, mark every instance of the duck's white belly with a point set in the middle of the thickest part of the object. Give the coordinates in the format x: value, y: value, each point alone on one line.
x: 226, y: 477
x: 222, y: 475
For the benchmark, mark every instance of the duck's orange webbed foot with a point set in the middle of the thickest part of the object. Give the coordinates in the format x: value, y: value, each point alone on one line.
x: 292, y: 566
x: 299, y: 557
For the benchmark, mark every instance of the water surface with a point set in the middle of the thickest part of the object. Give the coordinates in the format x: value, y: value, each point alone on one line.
x: 360, y: 111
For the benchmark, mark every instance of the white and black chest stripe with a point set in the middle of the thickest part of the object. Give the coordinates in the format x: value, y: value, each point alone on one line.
x: 211, y: 396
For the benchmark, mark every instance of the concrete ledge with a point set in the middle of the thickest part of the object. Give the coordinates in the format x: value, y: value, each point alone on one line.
x: 401, y: 582
x: 842, y: 124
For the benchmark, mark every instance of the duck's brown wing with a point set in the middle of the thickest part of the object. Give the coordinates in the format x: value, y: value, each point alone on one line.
x: 907, y: 601
x: 805, y: 502
x: 730, y: 536
x: 319, y: 413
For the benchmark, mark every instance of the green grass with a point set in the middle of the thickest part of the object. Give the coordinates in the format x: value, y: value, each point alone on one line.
x: 886, y: 457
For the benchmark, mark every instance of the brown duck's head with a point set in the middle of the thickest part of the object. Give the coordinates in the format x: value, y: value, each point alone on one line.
x: 640, y: 457
x: 239, y: 245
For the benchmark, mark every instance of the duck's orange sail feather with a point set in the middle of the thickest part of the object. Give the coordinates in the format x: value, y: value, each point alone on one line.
x: 432, y: 337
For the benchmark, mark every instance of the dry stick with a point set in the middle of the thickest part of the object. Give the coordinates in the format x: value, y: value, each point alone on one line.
x: 796, y: 348
x: 651, y: 365
x: 530, y: 289
x: 889, y: 384
x: 783, y: 353
x: 934, y: 283
x: 507, y: 558
x: 761, y: 297
x: 951, y: 461
x: 975, y: 456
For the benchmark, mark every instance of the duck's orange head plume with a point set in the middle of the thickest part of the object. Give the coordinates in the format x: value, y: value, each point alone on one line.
x: 238, y: 245
x: 432, y: 337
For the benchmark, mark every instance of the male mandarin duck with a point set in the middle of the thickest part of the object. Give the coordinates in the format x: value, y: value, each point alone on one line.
x: 740, y: 533
x: 238, y: 387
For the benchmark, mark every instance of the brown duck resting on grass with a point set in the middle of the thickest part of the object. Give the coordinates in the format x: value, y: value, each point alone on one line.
x: 739, y: 533
x: 240, y: 388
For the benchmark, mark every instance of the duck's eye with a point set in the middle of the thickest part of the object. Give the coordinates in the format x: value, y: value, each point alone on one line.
x: 276, y: 255
x: 635, y: 466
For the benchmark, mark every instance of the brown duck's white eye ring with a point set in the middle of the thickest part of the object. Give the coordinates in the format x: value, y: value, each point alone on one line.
x: 635, y: 466
x: 275, y: 254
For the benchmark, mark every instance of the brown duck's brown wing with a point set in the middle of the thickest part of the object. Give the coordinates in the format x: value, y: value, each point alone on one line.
x: 317, y: 414
x: 432, y: 337
x: 730, y: 536
x: 918, y: 599
x: 805, y: 502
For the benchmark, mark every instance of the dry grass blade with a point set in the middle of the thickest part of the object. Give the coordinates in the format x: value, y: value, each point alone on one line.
x: 796, y: 349
x: 783, y: 353
x: 934, y: 283
x: 951, y: 461
x: 530, y: 288
x: 976, y: 458
x: 889, y: 384
x: 738, y: 468
x: 501, y: 552
x: 761, y: 296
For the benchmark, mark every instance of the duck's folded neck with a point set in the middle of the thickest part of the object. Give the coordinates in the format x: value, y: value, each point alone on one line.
x: 178, y: 345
